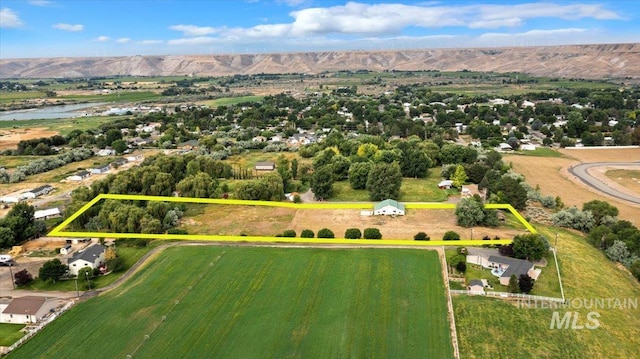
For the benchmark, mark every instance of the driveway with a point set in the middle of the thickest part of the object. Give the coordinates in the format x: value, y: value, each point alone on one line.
x: 581, y: 171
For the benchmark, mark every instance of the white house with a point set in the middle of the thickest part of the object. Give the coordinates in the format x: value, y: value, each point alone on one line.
x: 445, y: 184
x: 528, y: 147
x: 505, y: 267
x: 37, y: 192
x: 265, y: 166
x: 29, y: 309
x: 45, y: 214
x: 79, y: 176
x: 100, y: 170
x: 389, y: 207
x: 92, y: 257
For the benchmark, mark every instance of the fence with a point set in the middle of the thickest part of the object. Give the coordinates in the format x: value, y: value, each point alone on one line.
x: 534, y: 298
x: 39, y: 327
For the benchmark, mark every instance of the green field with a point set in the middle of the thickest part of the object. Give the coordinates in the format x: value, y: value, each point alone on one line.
x: 10, y: 333
x: 62, y: 125
x: 499, y: 329
x: 411, y: 190
x: 226, y: 101
x: 244, y: 302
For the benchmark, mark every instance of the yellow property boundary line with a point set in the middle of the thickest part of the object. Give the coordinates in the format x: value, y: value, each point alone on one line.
x: 58, y: 230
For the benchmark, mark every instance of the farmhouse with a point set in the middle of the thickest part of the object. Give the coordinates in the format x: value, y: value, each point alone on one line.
x: 79, y: 176
x: 92, y: 257
x: 265, y: 166
x: 29, y: 309
x: 45, y: 214
x: 504, y: 267
x: 389, y: 207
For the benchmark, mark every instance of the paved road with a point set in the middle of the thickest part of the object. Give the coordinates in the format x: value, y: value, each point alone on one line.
x: 581, y: 172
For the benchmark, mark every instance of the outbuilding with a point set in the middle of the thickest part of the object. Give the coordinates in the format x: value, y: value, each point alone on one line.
x: 265, y: 166
x: 389, y: 207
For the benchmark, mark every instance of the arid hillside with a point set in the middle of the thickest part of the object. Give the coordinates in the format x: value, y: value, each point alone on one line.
x: 574, y: 61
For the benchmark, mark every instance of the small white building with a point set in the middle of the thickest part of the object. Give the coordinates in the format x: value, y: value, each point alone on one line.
x: 389, y: 207
x: 45, y: 214
x: 265, y: 166
x: 67, y: 249
x: 92, y: 257
x: 79, y: 176
x: 445, y: 184
x: 99, y: 170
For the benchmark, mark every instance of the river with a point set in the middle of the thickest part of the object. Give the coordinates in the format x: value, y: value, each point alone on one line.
x: 48, y: 112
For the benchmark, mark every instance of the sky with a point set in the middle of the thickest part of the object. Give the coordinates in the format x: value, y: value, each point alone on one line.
x: 88, y: 28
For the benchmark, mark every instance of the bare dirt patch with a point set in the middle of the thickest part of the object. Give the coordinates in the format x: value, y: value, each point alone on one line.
x: 625, y: 177
x: 9, y: 138
x: 265, y: 221
x: 552, y: 176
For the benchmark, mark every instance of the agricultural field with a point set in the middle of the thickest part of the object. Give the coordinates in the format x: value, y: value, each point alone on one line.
x: 269, y: 221
x: 60, y: 126
x: 244, y: 302
x: 510, y: 331
x: 226, y: 101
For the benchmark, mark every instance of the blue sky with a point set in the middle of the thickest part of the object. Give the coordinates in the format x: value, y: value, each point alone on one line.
x: 53, y: 28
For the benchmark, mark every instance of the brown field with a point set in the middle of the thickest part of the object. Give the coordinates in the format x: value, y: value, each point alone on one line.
x: 9, y: 138
x: 627, y: 178
x: 551, y: 174
x: 266, y: 221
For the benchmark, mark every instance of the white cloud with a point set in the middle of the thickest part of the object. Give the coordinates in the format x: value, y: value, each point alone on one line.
x: 102, y: 38
x: 69, y: 27
x: 193, y: 30
x: 39, y: 2
x: 150, y: 42
x: 292, y: 2
x: 200, y: 40
x: 123, y: 40
x: 9, y: 19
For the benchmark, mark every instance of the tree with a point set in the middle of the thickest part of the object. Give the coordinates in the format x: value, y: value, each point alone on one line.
x: 635, y: 268
x: 307, y: 233
x: 421, y: 236
x: 511, y: 191
x: 600, y: 210
x: 289, y: 233
x: 7, y: 238
x: 52, y: 270
x: 340, y: 166
x: 119, y: 146
x: 513, y: 286
x: 358, y: 174
x: 23, y: 278
x: 322, y: 182
x: 461, y: 266
x: 451, y: 236
x: 352, y: 233
x: 513, y: 142
x: 294, y: 168
x: 384, y: 181
x: 325, y: 233
x: 469, y: 212
x: 372, y: 233
x: 530, y: 246
x: 525, y: 283
x: 619, y: 252
x: 459, y: 177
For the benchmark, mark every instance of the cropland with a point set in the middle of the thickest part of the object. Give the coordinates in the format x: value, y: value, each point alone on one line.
x: 243, y: 302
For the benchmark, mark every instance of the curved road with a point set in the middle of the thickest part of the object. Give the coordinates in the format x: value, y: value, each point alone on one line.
x: 581, y: 172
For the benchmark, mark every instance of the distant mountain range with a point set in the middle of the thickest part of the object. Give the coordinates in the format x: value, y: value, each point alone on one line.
x: 607, y: 61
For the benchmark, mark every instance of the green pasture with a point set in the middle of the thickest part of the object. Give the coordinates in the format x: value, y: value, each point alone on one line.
x: 10, y: 333
x: 244, y: 302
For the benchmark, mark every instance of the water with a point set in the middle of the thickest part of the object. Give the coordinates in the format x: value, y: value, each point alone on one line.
x: 48, y: 112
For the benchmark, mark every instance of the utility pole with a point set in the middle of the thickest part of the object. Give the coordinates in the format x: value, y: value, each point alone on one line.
x: 77, y: 293
x: 13, y: 280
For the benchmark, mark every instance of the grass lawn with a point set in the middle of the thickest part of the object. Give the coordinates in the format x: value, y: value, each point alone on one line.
x: 411, y: 190
x: 232, y: 302
x: 10, y: 333
x: 494, y: 328
x: 538, y: 152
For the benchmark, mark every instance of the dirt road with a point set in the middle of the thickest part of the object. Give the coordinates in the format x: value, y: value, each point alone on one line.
x: 582, y: 172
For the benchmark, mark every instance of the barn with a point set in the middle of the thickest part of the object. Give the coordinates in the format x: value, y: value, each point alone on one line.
x: 389, y: 207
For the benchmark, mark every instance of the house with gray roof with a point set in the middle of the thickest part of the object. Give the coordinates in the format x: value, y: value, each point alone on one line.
x: 92, y: 257
x: 504, y: 267
x: 29, y: 309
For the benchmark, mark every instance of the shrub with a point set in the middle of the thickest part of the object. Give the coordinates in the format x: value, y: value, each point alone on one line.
x: 372, y: 233
x: 289, y: 233
x: 325, y: 233
x: 451, y: 236
x: 461, y: 266
x: 352, y: 233
x: 177, y: 231
x: 297, y: 199
x: 462, y: 250
x: 525, y: 283
x: 307, y: 233
x: 23, y: 277
x: 421, y: 236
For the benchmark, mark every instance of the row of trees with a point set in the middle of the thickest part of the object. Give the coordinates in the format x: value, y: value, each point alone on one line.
x: 44, y: 164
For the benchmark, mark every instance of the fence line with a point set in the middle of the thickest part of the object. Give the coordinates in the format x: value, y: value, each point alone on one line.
x: 508, y: 295
x: 454, y: 330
